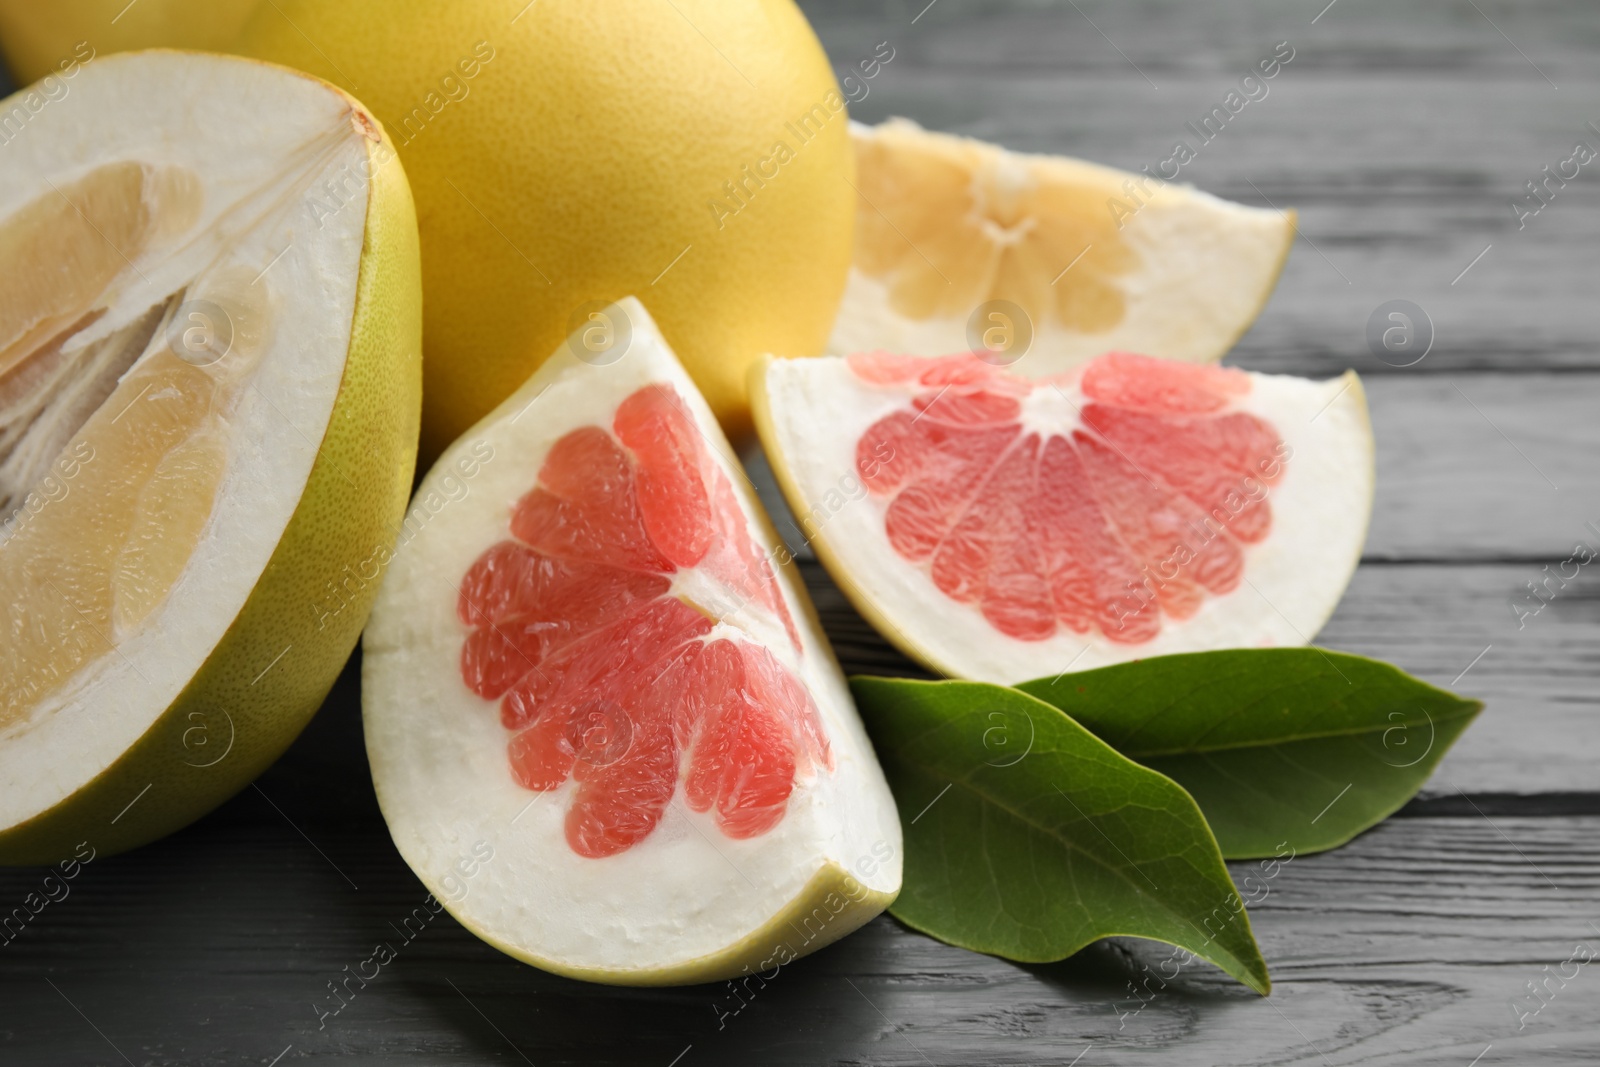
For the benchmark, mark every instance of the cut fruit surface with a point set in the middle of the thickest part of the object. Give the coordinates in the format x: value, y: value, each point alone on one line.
x: 602, y: 672
x: 191, y: 356
x: 1001, y: 528
x: 1045, y: 260
x: 586, y: 659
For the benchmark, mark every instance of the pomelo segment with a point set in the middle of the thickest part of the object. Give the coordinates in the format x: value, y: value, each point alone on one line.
x: 1002, y: 528
x: 1048, y: 261
x: 643, y: 671
x: 586, y: 660
x: 209, y: 397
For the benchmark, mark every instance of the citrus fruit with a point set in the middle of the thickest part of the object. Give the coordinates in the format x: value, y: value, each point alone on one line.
x: 42, y: 39
x: 209, y: 392
x: 1002, y: 528
x: 586, y: 663
x: 1046, y: 261
x: 565, y: 154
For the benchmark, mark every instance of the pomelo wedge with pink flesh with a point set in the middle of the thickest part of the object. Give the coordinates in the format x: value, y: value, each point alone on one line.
x: 603, y: 725
x: 1001, y: 528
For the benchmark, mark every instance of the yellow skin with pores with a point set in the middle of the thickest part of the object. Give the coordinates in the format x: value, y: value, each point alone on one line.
x: 695, y: 154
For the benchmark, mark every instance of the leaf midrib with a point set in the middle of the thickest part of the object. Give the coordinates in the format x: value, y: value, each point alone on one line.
x: 1465, y: 711
x: 1271, y: 694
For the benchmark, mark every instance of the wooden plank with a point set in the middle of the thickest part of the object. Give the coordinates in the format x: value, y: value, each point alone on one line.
x: 1402, y: 140
x: 1401, y: 132
x: 1407, y: 946
x: 1485, y: 466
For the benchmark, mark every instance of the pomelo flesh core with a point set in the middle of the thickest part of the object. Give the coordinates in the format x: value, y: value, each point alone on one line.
x: 1138, y: 512
x: 605, y: 671
x: 144, y: 455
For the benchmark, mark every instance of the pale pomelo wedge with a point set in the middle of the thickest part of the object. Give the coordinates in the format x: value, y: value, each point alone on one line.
x: 210, y: 340
x: 1002, y: 529
x: 1047, y: 261
x: 584, y: 662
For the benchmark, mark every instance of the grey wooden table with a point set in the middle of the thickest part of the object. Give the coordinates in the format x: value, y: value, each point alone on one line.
x: 1403, y: 134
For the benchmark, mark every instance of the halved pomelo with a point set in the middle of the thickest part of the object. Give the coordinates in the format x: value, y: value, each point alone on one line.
x: 210, y: 344
x: 1043, y: 260
x: 1001, y: 528
x: 585, y: 661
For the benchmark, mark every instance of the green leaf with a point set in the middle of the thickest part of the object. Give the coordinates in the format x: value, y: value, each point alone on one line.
x: 1296, y: 745
x: 1028, y: 837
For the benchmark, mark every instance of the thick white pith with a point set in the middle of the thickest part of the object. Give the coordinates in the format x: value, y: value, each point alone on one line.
x: 438, y: 751
x: 813, y: 412
x: 1206, y: 266
x: 264, y: 144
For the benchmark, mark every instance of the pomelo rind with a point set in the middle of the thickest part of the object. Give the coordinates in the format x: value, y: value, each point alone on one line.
x: 756, y: 953
x: 42, y: 39
x: 653, y: 185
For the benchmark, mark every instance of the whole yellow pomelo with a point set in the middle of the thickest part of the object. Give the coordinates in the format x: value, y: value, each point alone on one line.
x: 43, y: 38
x: 565, y: 154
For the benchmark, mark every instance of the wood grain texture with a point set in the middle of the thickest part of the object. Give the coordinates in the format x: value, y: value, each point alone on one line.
x: 1401, y: 133
x: 217, y: 946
